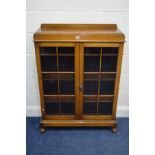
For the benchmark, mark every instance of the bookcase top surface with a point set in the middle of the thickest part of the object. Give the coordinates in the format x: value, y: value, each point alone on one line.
x: 78, y: 33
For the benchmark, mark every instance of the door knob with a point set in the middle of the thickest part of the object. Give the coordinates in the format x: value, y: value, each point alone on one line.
x: 81, y: 87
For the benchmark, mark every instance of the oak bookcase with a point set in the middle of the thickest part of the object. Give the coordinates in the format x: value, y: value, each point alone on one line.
x: 79, y: 68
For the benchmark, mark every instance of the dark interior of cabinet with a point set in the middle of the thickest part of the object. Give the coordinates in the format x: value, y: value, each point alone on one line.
x: 55, y: 108
x: 57, y: 66
x: 104, y: 108
x: 54, y: 59
x: 57, y: 63
x: 65, y: 86
x: 91, y: 87
x: 100, y: 64
x: 93, y: 56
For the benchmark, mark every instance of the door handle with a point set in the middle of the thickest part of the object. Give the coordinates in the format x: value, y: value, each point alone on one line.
x: 81, y: 87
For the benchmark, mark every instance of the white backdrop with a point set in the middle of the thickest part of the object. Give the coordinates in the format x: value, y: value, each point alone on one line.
x: 69, y: 11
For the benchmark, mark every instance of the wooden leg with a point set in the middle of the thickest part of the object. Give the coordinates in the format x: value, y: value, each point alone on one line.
x: 114, y: 129
x: 42, y: 129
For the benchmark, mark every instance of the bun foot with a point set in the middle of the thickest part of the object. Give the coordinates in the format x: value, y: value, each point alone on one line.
x: 114, y: 129
x: 42, y: 130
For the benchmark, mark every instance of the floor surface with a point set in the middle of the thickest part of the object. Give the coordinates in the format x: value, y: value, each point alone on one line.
x: 77, y: 141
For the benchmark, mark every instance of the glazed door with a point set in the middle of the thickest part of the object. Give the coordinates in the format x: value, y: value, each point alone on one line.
x: 58, y: 79
x: 98, y: 71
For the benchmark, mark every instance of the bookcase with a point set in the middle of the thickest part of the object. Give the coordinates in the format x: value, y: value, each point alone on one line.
x: 79, y: 67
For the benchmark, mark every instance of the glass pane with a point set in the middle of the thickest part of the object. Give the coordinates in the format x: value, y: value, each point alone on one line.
x: 91, y: 59
x: 64, y: 108
x: 48, y: 63
x: 48, y: 59
x: 67, y: 86
x: 50, y: 87
x: 110, y: 50
x: 58, y: 82
x: 66, y: 59
x: 107, y: 87
x: 109, y: 59
x: 105, y: 108
x: 66, y: 63
x: 52, y: 108
x: 91, y: 87
x: 47, y: 50
x: 100, y: 65
x: 67, y: 108
x: 90, y: 108
x: 69, y: 51
x: 109, y: 63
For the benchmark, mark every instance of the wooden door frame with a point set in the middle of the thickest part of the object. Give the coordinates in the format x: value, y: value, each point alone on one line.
x: 117, y: 83
x: 117, y: 79
x: 40, y: 81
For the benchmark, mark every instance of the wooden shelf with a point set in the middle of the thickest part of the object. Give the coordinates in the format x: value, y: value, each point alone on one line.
x: 54, y: 75
x: 100, y: 72
x: 71, y: 98
x: 103, y: 75
x: 51, y: 54
x: 102, y: 98
x: 58, y: 72
x: 66, y: 54
x: 96, y: 79
x: 99, y: 54
x: 87, y: 75
x: 64, y: 98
